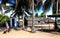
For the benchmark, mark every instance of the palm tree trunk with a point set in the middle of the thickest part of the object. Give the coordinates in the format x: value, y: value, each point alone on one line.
x: 16, y: 4
x: 23, y: 22
x: 57, y: 14
x: 6, y: 23
x: 7, y: 26
x: 32, y: 30
x: 55, y: 11
x: 57, y: 7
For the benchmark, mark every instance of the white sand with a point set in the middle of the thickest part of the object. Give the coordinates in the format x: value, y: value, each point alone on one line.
x: 25, y: 34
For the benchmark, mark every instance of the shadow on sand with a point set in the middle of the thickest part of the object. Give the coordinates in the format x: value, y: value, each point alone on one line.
x: 50, y: 31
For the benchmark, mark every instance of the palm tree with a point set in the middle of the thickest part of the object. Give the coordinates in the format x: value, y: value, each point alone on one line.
x: 59, y: 6
x: 33, y: 17
x: 31, y: 4
x: 55, y: 7
x: 37, y: 4
x: 4, y: 10
x: 26, y: 5
x: 46, y: 5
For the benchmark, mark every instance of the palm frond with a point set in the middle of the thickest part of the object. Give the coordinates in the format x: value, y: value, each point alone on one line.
x: 37, y: 4
x: 47, y: 4
x: 4, y: 1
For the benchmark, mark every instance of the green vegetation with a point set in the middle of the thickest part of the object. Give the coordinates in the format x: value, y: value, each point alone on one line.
x: 36, y: 15
x: 42, y: 15
x: 59, y: 11
x: 2, y: 18
x: 58, y: 20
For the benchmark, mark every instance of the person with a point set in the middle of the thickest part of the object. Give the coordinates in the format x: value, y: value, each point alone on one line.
x: 13, y: 22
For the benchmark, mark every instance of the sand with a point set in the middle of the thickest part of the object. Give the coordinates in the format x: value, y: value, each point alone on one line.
x: 26, y: 34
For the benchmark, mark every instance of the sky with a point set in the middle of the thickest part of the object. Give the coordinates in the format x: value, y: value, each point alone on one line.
x: 42, y: 9
x: 39, y: 12
x: 0, y: 1
x: 12, y: 1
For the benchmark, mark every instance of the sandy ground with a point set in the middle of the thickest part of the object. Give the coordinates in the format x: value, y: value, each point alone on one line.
x: 26, y: 34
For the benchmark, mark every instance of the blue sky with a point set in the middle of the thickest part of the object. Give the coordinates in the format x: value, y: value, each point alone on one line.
x: 39, y: 12
x: 0, y: 1
x: 49, y: 12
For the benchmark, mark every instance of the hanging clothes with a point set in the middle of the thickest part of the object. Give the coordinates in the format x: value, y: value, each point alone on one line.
x: 13, y: 22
